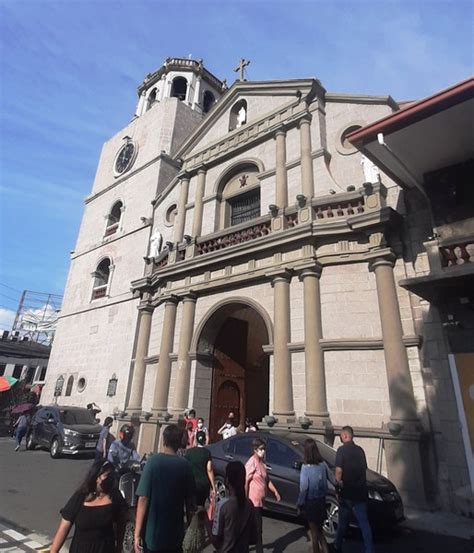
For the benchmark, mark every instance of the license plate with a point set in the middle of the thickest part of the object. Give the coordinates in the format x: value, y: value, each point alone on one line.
x: 91, y: 444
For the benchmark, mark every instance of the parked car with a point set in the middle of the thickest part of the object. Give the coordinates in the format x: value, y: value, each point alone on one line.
x: 64, y: 430
x: 283, y: 459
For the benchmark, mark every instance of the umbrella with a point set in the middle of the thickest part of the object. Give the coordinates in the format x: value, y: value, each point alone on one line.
x: 6, y: 382
x: 23, y: 408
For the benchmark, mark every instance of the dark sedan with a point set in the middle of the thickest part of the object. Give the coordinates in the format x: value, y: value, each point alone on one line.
x: 283, y: 458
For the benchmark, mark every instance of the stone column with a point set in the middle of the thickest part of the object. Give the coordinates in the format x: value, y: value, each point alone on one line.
x: 307, y: 179
x: 316, y: 400
x: 163, y: 373
x: 282, y: 378
x: 281, y: 196
x: 402, y: 399
x: 183, y: 376
x: 198, y: 205
x: 181, y: 215
x: 143, y: 339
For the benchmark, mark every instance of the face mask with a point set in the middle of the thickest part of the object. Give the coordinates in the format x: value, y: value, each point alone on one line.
x: 200, y: 425
x: 261, y: 453
x: 228, y: 425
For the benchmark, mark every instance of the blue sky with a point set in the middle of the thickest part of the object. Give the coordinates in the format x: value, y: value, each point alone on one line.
x: 69, y: 72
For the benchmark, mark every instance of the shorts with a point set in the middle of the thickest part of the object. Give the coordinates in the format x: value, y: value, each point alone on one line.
x: 315, y: 510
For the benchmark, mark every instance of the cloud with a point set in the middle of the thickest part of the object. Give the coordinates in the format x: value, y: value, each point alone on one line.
x: 6, y: 318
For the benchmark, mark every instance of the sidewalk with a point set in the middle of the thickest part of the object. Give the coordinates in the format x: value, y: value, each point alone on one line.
x: 439, y: 522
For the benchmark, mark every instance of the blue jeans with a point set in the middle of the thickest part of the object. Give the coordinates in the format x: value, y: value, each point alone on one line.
x: 346, y: 506
x: 19, y: 433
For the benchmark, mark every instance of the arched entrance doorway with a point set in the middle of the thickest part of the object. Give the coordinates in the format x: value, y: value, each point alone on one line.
x: 234, y: 336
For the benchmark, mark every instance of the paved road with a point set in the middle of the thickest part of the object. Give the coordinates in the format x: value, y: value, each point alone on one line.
x: 33, y: 487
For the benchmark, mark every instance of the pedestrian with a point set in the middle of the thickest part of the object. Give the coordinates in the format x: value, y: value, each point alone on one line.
x: 99, y: 513
x: 21, y: 428
x: 256, y: 484
x: 314, y: 478
x: 228, y: 429
x: 234, y: 527
x: 189, y: 435
x: 351, y: 467
x: 102, y: 448
x: 203, y: 429
x: 250, y: 426
x: 190, y: 418
x: 123, y: 451
x: 200, y: 460
x: 166, y: 489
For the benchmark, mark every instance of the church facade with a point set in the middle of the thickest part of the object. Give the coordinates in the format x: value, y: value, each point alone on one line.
x: 237, y: 253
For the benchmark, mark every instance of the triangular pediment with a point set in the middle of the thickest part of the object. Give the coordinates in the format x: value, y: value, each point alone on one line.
x: 262, y: 97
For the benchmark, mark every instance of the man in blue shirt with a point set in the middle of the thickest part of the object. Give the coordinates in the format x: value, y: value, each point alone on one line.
x: 122, y: 451
x: 166, y: 489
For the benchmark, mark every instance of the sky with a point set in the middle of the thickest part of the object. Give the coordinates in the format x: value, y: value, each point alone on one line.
x: 69, y: 71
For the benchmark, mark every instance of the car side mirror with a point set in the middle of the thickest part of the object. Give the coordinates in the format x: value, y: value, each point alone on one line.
x: 297, y: 465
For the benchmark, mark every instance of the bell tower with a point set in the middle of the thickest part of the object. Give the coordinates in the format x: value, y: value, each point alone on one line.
x: 181, y: 78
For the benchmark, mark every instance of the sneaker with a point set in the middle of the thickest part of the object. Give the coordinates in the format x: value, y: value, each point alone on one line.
x: 17, y: 448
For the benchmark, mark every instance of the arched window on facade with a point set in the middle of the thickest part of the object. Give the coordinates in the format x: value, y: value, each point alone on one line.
x: 208, y: 101
x: 238, y: 115
x: 239, y: 196
x: 101, y: 279
x: 58, y: 388
x: 151, y: 98
x: 179, y: 88
x: 69, y: 385
x: 113, y: 218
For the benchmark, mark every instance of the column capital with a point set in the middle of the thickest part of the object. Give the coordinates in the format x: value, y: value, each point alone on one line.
x: 385, y: 260
x: 279, y: 275
x: 202, y: 169
x: 305, y: 119
x: 172, y: 298
x: 146, y: 308
x: 309, y: 269
x: 189, y: 297
x: 280, y: 131
x: 184, y: 175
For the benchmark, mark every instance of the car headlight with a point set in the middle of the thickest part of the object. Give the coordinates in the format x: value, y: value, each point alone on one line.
x: 374, y: 494
x: 68, y: 432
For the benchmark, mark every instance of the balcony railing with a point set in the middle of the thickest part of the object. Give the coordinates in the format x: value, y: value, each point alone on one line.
x: 457, y: 254
x: 99, y: 292
x: 111, y: 229
x: 234, y: 237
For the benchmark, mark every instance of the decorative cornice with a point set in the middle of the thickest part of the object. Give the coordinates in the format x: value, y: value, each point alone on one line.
x: 361, y: 99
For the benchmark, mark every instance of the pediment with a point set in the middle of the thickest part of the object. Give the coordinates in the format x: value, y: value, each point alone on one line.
x: 262, y: 97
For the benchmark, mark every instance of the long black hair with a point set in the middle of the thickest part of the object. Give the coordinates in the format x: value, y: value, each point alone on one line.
x: 312, y: 456
x: 235, y: 476
x: 89, y: 484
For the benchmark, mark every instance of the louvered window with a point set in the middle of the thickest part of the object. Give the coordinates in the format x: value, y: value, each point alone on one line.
x: 245, y: 207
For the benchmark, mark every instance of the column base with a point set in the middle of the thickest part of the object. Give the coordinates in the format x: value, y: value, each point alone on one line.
x: 148, y: 436
x: 405, y: 462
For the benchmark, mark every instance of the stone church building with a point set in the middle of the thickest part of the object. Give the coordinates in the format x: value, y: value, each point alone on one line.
x: 238, y: 253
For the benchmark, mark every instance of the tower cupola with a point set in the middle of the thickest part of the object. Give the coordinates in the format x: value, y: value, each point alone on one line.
x: 182, y: 78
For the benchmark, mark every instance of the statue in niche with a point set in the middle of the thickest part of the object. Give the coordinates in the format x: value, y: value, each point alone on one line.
x: 156, y: 242
x: 241, y: 117
x: 371, y: 171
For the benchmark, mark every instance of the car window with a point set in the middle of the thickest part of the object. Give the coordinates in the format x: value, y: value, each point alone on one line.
x: 76, y: 416
x: 41, y: 415
x: 241, y: 446
x: 278, y: 453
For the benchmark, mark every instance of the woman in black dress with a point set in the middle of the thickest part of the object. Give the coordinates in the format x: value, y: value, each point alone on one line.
x: 99, y: 513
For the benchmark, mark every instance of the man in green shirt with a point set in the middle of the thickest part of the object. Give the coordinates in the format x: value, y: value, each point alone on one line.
x: 166, y: 488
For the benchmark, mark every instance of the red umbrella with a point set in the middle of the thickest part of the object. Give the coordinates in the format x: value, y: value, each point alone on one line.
x: 23, y: 408
x: 6, y: 382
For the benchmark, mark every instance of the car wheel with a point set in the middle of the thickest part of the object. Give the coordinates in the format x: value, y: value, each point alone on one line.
x: 128, y: 544
x: 221, y: 489
x: 55, y: 449
x: 332, y: 518
x: 30, y: 444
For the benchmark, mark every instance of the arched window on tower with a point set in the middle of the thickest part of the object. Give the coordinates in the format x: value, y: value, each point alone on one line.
x: 113, y: 218
x: 238, y: 115
x: 179, y: 88
x: 239, y: 196
x: 70, y: 382
x: 101, y: 279
x: 208, y: 101
x: 151, y: 99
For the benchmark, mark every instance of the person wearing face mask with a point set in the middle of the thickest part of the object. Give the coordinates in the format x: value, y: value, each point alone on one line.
x: 99, y: 513
x: 201, y: 429
x: 123, y: 451
x: 227, y: 429
x: 256, y: 483
x: 200, y: 460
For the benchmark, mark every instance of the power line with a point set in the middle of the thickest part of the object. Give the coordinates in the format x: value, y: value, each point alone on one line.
x: 9, y: 298
x: 14, y: 289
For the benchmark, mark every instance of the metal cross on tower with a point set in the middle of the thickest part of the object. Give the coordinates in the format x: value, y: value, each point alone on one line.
x: 241, y: 68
